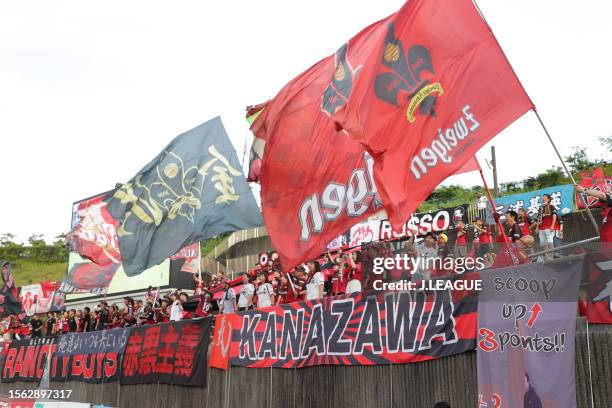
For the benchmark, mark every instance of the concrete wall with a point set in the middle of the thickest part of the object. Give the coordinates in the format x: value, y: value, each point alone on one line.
x: 418, y: 385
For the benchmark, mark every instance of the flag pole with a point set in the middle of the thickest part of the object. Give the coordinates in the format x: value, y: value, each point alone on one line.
x: 569, y: 173
x: 540, y: 120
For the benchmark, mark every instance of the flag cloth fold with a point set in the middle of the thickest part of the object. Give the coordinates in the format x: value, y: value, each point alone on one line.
x: 94, y: 232
x: 316, y: 182
x: 436, y: 89
x: 193, y: 190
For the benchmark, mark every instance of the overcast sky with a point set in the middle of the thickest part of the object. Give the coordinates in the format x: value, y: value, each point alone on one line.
x: 90, y: 92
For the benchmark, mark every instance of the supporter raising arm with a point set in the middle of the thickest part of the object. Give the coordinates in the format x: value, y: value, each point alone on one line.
x: 606, y: 198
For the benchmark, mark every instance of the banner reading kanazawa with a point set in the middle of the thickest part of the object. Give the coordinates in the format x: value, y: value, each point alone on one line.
x: 526, y: 332
x: 361, y: 329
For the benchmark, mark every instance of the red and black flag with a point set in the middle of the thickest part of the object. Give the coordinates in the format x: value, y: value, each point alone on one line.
x: 435, y: 89
x: 191, y: 191
x: 316, y: 182
x: 94, y: 232
x: 599, y: 293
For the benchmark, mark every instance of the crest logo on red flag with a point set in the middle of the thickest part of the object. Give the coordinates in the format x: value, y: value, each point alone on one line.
x: 339, y: 89
x: 410, y: 79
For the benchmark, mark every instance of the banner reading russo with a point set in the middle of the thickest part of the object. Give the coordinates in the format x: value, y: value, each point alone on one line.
x: 173, y: 353
x: 361, y: 329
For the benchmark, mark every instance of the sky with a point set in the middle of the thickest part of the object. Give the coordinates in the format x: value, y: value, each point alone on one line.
x: 90, y: 92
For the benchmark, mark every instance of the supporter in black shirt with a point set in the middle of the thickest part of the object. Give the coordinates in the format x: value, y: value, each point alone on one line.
x: 36, y: 326
x: 513, y: 230
x: 72, y: 323
x: 87, y: 320
x: 50, y: 323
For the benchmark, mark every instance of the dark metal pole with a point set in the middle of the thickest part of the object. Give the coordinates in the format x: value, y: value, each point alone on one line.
x: 494, y: 163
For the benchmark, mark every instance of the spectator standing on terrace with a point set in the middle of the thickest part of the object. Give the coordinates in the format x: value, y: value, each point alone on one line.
x: 605, y: 232
x: 427, y: 250
x: 245, y: 301
x: 526, y: 227
x: 514, y: 232
x: 228, y: 302
x: 327, y: 269
x: 163, y: 314
x: 339, y: 281
x: 547, y: 224
x: 65, y: 323
x: 72, y: 323
x: 36, y: 326
x: 265, y: 291
x: 315, y: 286
x: 50, y: 324
x: 204, y: 307
x: 442, y: 244
x: 356, y: 273
x: 103, y: 315
x: 176, y: 309
x: 484, y: 238
x: 461, y: 241
x: 86, y: 319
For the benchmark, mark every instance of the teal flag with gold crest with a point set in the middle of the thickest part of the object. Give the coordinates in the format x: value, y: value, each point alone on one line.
x: 193, y: 190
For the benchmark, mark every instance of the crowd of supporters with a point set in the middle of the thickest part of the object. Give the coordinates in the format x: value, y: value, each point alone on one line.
x: 341, y: 271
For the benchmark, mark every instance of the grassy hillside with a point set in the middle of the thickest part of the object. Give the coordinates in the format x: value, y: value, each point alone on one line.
x: 27, y: 271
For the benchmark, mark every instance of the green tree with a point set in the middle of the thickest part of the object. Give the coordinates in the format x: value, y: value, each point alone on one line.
x: 7, y: 239
x: 579, y: 160
x: 606, y: 141
x: 551, y: 177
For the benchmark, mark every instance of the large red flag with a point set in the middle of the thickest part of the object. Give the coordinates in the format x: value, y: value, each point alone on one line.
x: 316, y: 181
x: 435, y: 90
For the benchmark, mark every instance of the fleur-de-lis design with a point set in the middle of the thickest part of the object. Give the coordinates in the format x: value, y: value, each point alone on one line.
x: 407, y: 80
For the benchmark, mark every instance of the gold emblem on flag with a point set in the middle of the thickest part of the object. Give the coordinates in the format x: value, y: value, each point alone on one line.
x: 176, y: 190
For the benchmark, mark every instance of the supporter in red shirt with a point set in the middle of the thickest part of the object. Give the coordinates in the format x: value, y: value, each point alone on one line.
x: 340, y: 278
x: 293, y: 290
x: 484, y: 238
x: 65, y: 324
x: 162, y: 314
x: 461, y: 241
x: 523, y: 222
x: 546, y: 224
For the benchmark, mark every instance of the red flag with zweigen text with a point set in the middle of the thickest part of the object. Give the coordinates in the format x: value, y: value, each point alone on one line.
x: 434, y: 91
x: 316, y: 181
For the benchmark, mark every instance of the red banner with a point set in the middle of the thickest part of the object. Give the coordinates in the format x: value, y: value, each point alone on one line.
x: 599, y: 293
x: 25, y: 360
x: 361, y: 329
x: 173, y: 353
x: 94, y: 232
x: 434, y: 91
x: 316, y: 182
